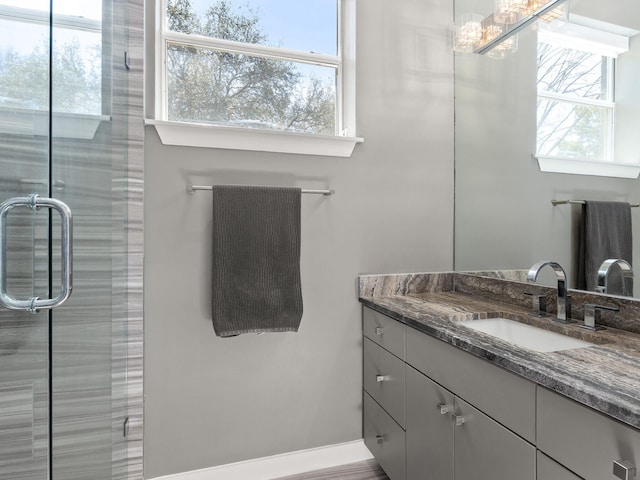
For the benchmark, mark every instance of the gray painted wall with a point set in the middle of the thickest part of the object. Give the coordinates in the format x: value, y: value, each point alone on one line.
x: 211, y: 401
x: 504, y: 216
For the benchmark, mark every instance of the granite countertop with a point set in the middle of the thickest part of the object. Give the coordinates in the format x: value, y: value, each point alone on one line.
x: 605, y: 377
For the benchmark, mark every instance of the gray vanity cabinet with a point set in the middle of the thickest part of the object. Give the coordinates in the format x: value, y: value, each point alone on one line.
x: 449, y: 439
x: 434, y: 412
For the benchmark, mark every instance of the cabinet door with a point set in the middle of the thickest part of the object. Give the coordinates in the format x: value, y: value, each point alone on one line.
x: 429, y: 428
x: 484, y: 449
x: 550, y: 470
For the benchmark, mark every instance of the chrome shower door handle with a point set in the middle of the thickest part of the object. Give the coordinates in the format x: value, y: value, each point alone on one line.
x: 34, y: 304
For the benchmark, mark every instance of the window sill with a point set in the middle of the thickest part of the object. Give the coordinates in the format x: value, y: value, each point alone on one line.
x: 234, y: 138
x: 24, y: 121
x: 584, y: 167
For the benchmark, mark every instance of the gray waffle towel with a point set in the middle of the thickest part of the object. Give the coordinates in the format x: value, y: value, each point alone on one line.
x: 605, y: 233
x: 256, y: 259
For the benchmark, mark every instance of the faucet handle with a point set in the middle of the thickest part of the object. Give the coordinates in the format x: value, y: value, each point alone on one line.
x: 592, y: 313
x: 538, y: 304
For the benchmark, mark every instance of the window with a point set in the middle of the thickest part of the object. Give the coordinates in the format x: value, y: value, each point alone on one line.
x: 274, y: 65
x: 575, y: 103
x: 576, y: 109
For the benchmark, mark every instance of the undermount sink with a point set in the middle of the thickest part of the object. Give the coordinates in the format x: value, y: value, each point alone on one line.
x: 526, y: 336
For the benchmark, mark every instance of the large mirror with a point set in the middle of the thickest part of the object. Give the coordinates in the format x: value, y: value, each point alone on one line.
x: 504, y: 217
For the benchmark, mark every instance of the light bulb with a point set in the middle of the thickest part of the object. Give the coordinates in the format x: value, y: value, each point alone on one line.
x: 468, y: 32
x: 510, y: 11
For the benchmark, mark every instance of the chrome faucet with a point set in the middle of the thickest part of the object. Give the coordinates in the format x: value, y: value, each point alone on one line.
x: 627, y: 276
x: 564, y: 304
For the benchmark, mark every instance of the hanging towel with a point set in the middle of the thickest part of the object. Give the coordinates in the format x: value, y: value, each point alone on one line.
x: 605, y: 233
x: 256, y: 259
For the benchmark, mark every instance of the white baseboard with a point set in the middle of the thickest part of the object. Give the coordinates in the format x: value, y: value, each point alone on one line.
x: 291, y: 463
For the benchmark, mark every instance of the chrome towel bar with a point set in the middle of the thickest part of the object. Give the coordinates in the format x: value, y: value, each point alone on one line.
x: 581, y: 202
x: 326, y: 193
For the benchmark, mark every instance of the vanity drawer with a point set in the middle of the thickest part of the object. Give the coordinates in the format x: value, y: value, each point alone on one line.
x: 384, y: 379
x: 384, y: 330
x: 384, y: 438
x: 585, y: 441
x: 502, y: 395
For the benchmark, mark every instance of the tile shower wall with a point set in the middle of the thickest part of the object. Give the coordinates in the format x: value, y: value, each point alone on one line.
x: 212, y: 401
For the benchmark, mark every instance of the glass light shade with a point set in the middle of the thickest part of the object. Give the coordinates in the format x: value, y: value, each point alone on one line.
x: 491, y: 30
x: 467, y: 32
x: 535, y: 5
x: 510, y: 11
x: 505, y: 48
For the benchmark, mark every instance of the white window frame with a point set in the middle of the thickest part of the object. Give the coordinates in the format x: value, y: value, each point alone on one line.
x: 607, y: 44
x: 216, y: 136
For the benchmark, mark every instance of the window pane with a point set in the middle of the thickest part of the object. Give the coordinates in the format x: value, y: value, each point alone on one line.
x: 572, y: 72
x: 309, y: 25
x: 210, y: 86
x: 572, y: 130
x: 77, y: 71
x: 24, y: 65
x: 77, y: 61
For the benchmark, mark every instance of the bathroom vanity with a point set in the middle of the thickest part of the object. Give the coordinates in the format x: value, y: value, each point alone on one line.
x: 444, y: 401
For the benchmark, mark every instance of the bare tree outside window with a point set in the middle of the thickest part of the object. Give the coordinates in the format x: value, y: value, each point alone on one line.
x: 209, y: 85
x: 575, y: 104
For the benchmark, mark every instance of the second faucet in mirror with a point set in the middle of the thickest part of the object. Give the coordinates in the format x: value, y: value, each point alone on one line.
x: 626, y: 281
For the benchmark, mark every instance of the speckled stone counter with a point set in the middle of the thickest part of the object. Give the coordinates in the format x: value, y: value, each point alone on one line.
x: 605, y: 377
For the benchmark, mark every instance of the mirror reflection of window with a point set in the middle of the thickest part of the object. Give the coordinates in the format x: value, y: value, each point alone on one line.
x: 575, y: 112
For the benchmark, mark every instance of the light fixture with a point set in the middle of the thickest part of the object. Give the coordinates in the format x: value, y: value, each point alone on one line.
x: 496, y: 34
x: 510, y: 11
x: 467, y: 32
x: 491, y: 31
x: 507, y: 47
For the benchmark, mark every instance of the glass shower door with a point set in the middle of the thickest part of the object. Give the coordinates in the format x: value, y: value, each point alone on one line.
x: 62, y: 411
x: 24, y: 170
